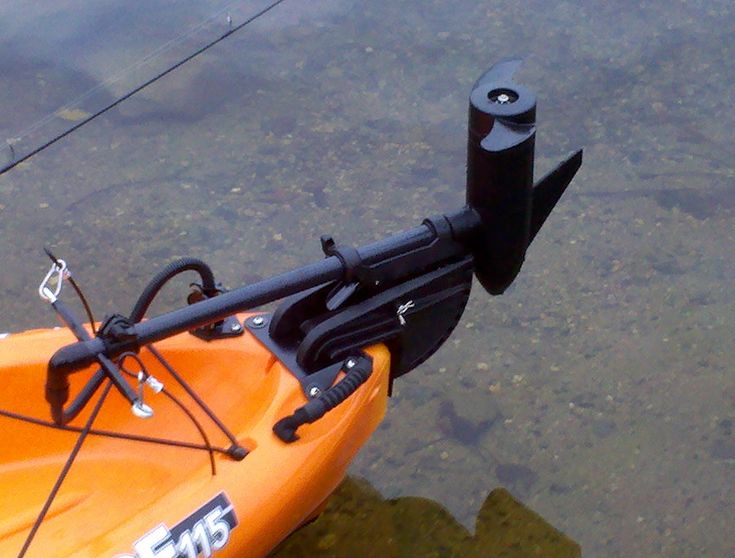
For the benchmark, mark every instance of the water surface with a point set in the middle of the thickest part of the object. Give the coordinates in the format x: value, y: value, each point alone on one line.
x: 603, y: 376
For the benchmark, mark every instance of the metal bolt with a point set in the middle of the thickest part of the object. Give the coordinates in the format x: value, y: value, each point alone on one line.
x: 350, y: 363
x: 258, y: 321
x: 314, y: 391
x: 235, y: 327
x: 502, y: 96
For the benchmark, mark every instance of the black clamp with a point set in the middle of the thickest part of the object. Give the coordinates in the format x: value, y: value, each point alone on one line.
x: 199, y: 292
x: 222, y: 329
x: 118, y: 334
x: 356, y: 273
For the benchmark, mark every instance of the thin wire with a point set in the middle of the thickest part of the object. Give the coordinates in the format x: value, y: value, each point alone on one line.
x: 198, y: 400
x: 62, y: 475
x: 140, y: 87
x: 119, y: 75
x: 188, y: 413
x: 176, y: 401
x: 78, y: 290
x: 87, y: 308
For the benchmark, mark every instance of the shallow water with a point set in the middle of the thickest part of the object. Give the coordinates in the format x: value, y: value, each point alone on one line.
x: 606, y: 369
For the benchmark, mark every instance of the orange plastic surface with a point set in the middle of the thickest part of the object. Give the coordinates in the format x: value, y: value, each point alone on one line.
x: 120, y: 492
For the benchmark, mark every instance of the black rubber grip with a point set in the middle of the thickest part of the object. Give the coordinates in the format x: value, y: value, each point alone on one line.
x: 315, y: 409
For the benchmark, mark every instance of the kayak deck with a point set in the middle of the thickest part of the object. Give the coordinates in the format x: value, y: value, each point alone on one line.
x: 118, y: 490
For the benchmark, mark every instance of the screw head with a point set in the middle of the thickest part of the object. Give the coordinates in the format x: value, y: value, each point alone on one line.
x: 235, y: 327
x: 258, y: 321
x: 314, y: 391
x: 350, y: 363
x: 502, y: 96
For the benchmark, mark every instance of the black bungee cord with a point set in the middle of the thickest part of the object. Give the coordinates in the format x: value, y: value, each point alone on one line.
x: 65, y: 471
x: 110, y: 433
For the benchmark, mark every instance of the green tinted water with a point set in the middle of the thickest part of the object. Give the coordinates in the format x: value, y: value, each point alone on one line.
x: 599, y: 388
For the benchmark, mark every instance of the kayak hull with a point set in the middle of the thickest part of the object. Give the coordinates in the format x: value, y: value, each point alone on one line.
x: 129, y: 498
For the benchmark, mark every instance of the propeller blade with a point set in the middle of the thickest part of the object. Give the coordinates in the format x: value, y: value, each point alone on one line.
x: 506, y: 135
x: 502, y: 71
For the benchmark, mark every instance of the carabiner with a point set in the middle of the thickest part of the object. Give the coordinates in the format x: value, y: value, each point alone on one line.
x: 59, y: 272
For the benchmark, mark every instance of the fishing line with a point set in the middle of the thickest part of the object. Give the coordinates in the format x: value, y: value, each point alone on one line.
x: 125, y: 71
x: 139, y: 88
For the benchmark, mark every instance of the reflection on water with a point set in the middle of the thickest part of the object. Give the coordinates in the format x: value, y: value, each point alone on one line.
x: 359, y: 522
x: 599, y: 388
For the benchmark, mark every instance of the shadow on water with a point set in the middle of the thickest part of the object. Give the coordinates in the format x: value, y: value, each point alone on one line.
x: 358, y: 521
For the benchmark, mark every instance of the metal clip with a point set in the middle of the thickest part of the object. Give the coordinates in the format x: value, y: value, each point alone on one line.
x: 58, y: 272
x: 154, y: 383
x: 139, y: 408
x: 402, y: 309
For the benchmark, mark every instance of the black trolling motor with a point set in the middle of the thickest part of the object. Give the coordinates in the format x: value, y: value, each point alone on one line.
x: 408, y: 291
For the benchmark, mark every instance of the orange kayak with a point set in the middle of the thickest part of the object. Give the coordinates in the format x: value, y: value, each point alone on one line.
x: 131, y: 498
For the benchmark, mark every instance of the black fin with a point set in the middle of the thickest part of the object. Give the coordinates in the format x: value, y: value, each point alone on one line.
x: 548, y: 191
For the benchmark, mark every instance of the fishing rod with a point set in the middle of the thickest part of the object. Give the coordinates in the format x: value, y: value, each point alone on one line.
x: 15, y: 161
